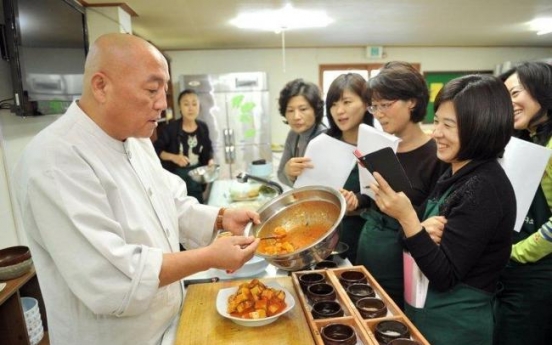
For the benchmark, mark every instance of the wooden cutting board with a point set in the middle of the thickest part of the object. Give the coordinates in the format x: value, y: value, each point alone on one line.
x: 200, y: 323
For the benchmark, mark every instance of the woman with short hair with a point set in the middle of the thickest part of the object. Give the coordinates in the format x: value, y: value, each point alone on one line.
x: 473, y: 124
x: 301, y: 105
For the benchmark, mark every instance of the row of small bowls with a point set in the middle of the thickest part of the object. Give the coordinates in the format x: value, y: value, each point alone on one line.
x: 324, y: 305
x: 322, y: 295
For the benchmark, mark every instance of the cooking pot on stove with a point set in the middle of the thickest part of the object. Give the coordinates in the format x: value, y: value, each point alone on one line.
x: 314, y: 205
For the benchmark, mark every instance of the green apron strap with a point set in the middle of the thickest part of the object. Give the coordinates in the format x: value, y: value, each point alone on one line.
x: 432, y: 206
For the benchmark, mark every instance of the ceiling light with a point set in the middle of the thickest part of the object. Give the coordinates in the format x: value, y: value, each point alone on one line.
x: 541, y: 25
x: 287, y: 18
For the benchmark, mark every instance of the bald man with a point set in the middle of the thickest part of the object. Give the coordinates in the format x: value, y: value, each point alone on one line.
x: 104, y: 219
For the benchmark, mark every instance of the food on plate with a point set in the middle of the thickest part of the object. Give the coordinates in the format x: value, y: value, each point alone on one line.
x: 288, y: 241
x: 244, y: 191
x: 254, y: 300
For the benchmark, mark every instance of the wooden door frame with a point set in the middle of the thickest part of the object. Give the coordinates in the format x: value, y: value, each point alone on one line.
x: 352, y: 66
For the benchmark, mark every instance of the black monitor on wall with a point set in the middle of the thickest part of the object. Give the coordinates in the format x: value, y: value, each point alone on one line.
x: 46, y: 43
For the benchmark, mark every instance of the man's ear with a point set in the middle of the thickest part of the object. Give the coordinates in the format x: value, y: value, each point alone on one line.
x: 100, y: 84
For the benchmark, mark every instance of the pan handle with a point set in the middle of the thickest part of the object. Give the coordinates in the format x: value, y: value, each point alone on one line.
x: 247, y: 229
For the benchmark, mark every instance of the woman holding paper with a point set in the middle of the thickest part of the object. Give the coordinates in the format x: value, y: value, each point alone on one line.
x: 399, y: 98
x: 302, y: 107
x: 473, y: 124
x: 523, y: 307
x: 346, y: 109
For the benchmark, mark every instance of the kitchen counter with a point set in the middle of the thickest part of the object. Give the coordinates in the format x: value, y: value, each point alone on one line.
x: 200, y: 322
x: 219, y: 195
x: 271, y: 271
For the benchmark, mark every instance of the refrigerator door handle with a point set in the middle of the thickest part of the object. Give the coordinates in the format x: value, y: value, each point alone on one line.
x: 229, y: 154
x: 228, y: 134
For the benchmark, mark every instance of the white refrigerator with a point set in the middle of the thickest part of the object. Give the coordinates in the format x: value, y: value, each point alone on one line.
x: 235, y: 107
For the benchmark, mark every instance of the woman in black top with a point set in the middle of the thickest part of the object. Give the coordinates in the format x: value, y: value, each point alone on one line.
x: 346, y: 110
x: 398, y: 97
x: 473, y: 124
x: 184, y: 144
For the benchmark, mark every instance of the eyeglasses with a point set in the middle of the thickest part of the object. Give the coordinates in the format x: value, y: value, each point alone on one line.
x: 372, y: 109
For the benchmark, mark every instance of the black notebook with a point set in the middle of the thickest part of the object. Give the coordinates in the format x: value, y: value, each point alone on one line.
x: 386, y: 163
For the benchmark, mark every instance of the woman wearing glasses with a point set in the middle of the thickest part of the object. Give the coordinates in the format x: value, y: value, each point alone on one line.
x: 399, y: 97
x: 302, y: 107
x: 346, y: 104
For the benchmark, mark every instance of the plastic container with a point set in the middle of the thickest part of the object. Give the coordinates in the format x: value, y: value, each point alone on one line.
x: 33, y: 320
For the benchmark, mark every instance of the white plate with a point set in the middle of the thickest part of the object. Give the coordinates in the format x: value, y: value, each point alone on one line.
x: 222, y: 306
x: 2, y: 286
x: 256, y: 265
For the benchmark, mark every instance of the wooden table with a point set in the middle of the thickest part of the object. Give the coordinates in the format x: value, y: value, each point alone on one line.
x: 200, y: 323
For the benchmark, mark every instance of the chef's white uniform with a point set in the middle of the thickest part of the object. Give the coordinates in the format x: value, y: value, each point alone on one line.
x: 99, y: 213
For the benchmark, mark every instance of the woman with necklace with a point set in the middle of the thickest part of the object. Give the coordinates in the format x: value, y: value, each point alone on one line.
x: 184, y: 144
x: 399, y: 97
x: 346, y: 109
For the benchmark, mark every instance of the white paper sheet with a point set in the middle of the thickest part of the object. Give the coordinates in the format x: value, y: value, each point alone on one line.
x: 332, y: 159
x: 524, y: 164
x: 371, y: 139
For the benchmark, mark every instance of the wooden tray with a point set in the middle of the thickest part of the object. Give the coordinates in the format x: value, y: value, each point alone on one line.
x: 365, y: 328
x: 201, y: 324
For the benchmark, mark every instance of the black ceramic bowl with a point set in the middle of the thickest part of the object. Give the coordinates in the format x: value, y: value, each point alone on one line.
x: 371, y: 307
x: 325, y: 264
x: 389, y: 330
x: 338, y: 334
x: 308, y: 279
x: 359, y: 290
x: 352, y: 277
x: 321, y: 292
x: 326, y: 309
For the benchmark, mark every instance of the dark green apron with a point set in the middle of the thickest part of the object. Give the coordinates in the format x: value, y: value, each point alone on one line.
x: 194, y: 189
x: 380, y: 251
x: 351, y: 226
x: 461, y: 316
x: 523, y: 307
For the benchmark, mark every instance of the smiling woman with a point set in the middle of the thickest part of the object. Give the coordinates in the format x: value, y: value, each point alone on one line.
x: 475, y: 202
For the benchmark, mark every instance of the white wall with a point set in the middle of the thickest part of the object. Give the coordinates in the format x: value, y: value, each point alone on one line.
x: 16, y: 132
x: 304, y: 63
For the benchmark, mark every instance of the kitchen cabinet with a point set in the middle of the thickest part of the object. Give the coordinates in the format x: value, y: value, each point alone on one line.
x: 13, y: 329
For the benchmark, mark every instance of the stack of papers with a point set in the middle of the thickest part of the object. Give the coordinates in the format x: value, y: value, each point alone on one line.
x: 518, y: 155
x: 333, y: 161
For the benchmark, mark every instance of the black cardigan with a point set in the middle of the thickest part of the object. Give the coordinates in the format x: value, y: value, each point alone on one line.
x: 477, y: 239
x: 171, y: 136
